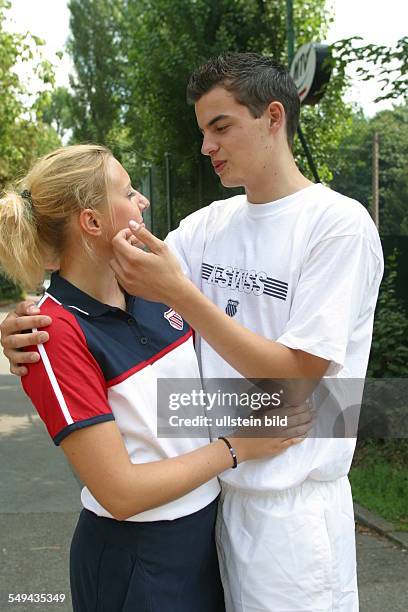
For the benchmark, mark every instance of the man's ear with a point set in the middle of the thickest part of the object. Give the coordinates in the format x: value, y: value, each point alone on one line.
x: 90, y: 222
x: 276, y: 115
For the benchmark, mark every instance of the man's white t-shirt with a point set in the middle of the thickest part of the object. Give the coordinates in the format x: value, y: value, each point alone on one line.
x: 303, y: 271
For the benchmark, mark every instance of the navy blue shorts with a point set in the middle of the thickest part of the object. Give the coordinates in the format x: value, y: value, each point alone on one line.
x: 161, y: 566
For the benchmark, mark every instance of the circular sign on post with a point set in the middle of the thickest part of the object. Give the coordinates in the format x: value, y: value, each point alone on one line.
x: 311, y: 70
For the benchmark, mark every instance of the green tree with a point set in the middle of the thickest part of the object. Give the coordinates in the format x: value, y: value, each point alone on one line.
x: 392, y: 127
x: 23, y: 136
x: 173, y: 38
x: 133, y: 61
x: 354, y: 172
x: 389, y: 65
x: 389, y: 350
x: 55, y: 109
x: 99, y: 54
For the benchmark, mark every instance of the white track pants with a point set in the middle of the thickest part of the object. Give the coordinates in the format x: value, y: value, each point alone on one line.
x: 288, y: 551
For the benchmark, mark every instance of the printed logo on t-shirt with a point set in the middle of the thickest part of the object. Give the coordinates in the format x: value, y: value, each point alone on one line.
x: 174, y: 319
x: 231, y: 308
x: 247, y: 281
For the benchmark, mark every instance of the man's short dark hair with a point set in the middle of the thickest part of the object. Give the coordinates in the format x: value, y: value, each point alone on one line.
x: 254, y: 80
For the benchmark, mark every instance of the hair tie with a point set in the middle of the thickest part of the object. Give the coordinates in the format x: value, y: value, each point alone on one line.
x: 26, y: 195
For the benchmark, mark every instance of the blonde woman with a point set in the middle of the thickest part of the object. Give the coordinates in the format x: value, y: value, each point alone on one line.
x: 144, y: 540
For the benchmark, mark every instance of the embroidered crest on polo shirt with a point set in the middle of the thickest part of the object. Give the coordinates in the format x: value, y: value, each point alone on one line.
x: 174, y: 319
x: 231, y: 308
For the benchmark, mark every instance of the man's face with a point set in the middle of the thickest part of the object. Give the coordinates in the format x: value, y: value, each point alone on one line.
x: 238, y: 144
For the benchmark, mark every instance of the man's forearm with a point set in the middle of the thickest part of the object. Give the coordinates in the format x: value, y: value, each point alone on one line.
x: 157, y: 276
x: 249, y: 353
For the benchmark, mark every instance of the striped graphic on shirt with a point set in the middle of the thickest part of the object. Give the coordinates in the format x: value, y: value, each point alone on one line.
x: 246, y: 281
x: 50, y: 372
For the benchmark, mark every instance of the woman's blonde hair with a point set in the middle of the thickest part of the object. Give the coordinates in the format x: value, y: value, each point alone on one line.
x: 34, y: 217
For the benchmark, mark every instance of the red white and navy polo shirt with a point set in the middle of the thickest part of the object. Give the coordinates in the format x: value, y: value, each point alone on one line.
x: 102, y: 364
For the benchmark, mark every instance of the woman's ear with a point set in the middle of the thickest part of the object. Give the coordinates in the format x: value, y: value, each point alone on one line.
x: 90, y: 223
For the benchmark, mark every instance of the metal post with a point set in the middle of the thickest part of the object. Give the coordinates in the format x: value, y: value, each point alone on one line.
x: 290, y: 36
x: 290, y: 31
x: 375, y: 181
x: 169, y: 201
x: 308, y: 154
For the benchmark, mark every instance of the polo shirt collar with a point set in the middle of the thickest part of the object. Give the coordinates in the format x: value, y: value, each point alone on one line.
x: 69, y: 295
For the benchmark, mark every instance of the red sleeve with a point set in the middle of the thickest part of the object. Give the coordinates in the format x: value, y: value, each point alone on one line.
x: 66, y: 386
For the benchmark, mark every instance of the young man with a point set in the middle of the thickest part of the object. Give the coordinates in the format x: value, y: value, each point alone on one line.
x: 284, y: 282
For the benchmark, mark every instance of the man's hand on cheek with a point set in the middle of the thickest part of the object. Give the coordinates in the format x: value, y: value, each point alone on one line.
x: 155, y: 275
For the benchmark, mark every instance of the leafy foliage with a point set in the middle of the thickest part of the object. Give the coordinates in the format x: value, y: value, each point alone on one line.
x: 8, y: 290
x: 55, y: 108
x: 133, y: 61
x: 353, y: 173
x: 389, y: 350
x: 392, y: 127
x: 23, y: 136
x: 99, y: 55
x: 389, y: 64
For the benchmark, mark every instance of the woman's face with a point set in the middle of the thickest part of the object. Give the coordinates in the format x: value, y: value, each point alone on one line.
x: 126, y: 202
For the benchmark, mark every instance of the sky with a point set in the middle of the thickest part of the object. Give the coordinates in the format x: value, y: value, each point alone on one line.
x: 376, y: 21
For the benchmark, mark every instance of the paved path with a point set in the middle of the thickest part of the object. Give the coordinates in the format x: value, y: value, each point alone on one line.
x: 39, y: 504
x: 382, y: 574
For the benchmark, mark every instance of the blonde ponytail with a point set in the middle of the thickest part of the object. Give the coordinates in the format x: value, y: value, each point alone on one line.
x: 20, y: 253
x: 33, y: 222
